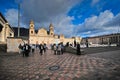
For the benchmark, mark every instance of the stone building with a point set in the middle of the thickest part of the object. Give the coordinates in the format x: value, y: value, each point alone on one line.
x: 5, y: 29
x: 48, y: 37
x: 103, y: 39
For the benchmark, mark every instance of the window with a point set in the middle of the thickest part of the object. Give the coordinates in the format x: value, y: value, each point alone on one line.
x: 10, y: 34
x: 1, y: 27
x: 31, y: 25
x: 31, y: 32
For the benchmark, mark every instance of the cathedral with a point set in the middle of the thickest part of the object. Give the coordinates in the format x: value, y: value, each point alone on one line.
x: 48, y: 37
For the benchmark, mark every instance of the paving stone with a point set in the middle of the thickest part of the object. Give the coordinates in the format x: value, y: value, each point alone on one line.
x: 36, y: 67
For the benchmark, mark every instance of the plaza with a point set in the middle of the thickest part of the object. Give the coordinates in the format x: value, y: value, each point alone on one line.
x: 96, y: 64
x: 82, y: 38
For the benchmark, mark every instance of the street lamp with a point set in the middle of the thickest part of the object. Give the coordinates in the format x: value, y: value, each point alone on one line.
x: 18, y: 20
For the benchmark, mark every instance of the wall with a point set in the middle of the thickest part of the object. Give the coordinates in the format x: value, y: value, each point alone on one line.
x: 13, y: 43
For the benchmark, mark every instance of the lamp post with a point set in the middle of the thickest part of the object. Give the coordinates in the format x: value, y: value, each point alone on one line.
x: 18, y: 20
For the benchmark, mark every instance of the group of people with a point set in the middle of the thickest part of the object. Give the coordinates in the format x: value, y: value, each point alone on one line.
x: 58, y: 49
x: 42, y: 48
x: 25, y: 49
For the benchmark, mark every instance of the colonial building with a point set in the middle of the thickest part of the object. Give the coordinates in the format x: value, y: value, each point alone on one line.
x: 5, y: 29
x: 103, y: 39
x: 48, y: 37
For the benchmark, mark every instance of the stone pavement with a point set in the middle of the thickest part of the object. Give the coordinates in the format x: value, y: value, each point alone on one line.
x: 70, y: 67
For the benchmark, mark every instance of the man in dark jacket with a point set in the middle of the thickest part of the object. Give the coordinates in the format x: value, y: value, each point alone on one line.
x: 78, y: 49
x: 27, y: 49
x: 41, y: 47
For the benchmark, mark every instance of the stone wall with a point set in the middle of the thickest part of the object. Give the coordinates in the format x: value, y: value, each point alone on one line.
x: 13, y: 43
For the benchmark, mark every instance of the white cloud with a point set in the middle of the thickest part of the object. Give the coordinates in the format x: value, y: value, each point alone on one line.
x: 96, y: 25
x: 64, y: 26
x: 114, y: 21
x: 12, y: 17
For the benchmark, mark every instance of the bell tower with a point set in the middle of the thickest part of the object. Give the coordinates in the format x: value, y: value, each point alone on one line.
x: 31, y: 29
x: 51, y: 30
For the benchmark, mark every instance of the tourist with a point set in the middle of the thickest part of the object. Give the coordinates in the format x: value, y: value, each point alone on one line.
x: 44, y: 48
x: 20, y: 48
x: 33, y: 48
x: 55, y: 49
x: 74, y: 43
x: 78, y: 49
x: 59, y: 49
x: 27, y: 50
x: 41, y: 49
x: 23, y: 53
x: 62, y: 48
x: 87, y: 43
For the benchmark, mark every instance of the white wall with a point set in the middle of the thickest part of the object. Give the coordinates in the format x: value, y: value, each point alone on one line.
x: 13, y: 43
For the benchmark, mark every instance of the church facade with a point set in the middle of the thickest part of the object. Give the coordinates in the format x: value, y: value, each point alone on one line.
x: 48, y: 37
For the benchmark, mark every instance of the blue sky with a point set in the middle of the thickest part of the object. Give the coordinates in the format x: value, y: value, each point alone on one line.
x: 70, y: 17
x: 87, y: 9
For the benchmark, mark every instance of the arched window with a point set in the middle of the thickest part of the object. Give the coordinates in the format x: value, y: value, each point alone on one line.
x: 51, y: 33
x: 10, y: 34
x: 31, y: 32
x: 31, y: 25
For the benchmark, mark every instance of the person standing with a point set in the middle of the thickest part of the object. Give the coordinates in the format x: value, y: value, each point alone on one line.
x: 41, y: 49
x: 78, y: 49
x: 55, y: 49
x: 33, y: 48
x: 27, y: 49
x: 44, y: 47
x: 20, y: 49
x: 74, y: 43
x: 23, y: 53
x: 62, y: 48
x: 59, y: 49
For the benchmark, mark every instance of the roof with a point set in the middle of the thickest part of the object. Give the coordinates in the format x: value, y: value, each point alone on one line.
x: 3, y: 17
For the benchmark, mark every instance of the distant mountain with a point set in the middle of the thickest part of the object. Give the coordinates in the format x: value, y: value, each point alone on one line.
x: 23, y: 32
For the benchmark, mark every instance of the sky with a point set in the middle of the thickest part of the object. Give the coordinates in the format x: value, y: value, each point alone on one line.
x: 82, y: 18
